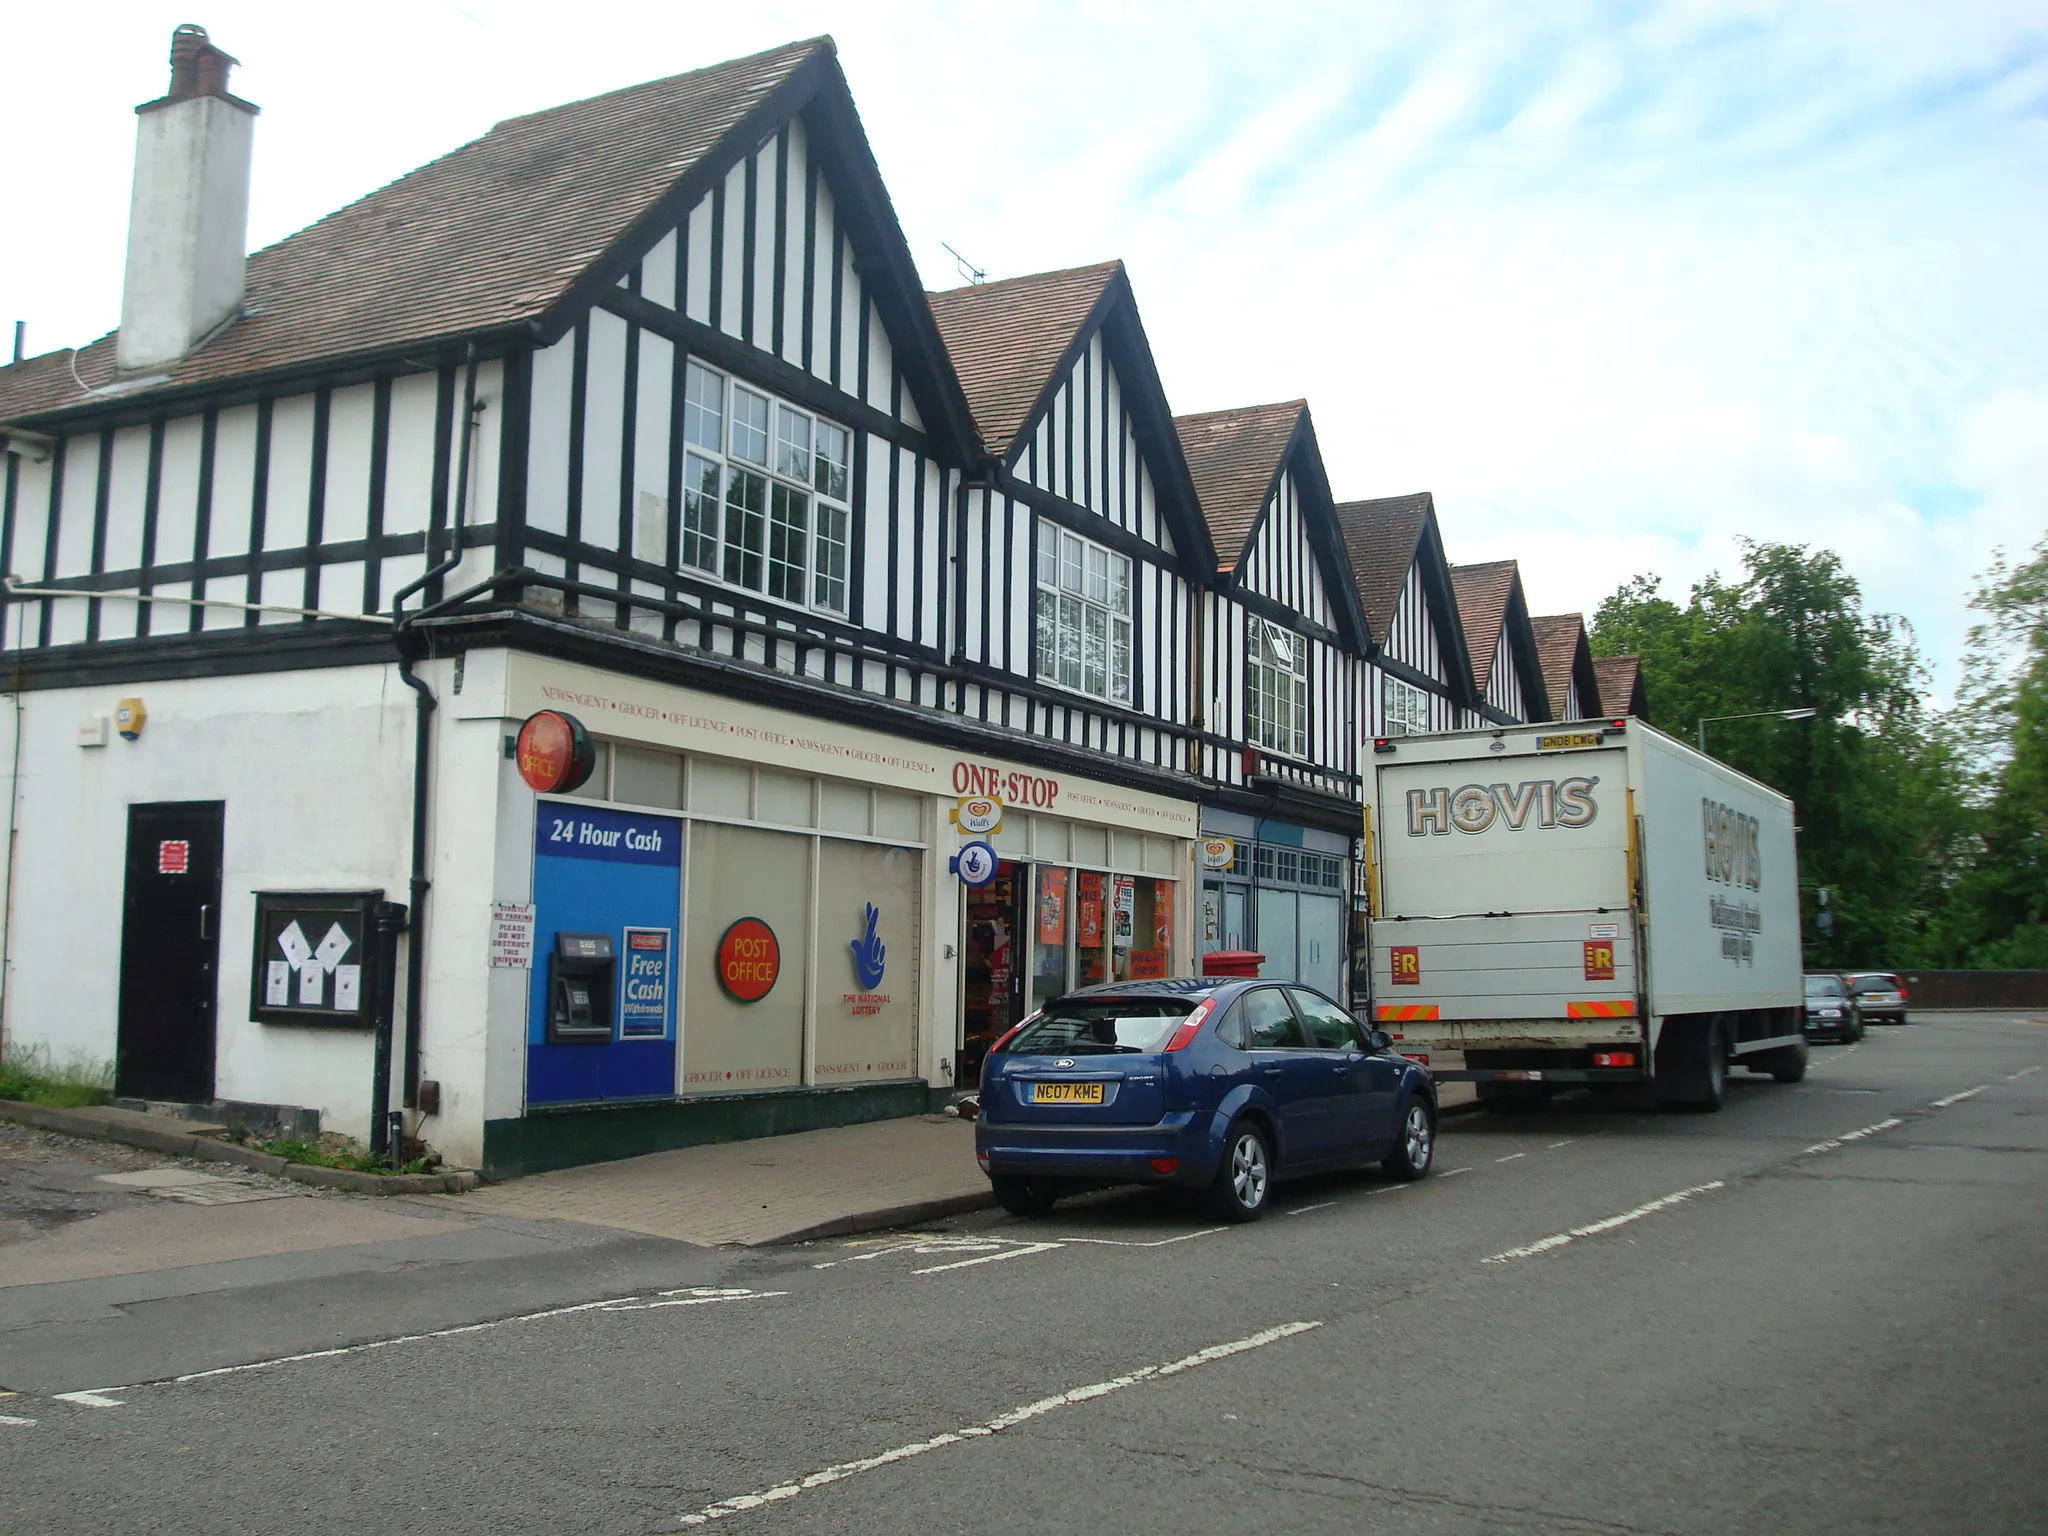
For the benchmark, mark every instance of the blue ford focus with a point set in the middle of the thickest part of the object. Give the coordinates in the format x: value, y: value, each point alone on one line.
x: 1219, y: 1086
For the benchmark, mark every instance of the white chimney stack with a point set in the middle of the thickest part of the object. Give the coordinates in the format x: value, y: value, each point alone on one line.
x: 188, y: 220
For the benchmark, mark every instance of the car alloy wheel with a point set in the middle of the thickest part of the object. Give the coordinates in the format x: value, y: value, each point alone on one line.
x: 1415, y: 1146
x: 1417, y: 1136
x: 1244, y: 1178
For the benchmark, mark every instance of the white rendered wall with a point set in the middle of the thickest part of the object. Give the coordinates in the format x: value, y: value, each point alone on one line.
x: 188, y: 226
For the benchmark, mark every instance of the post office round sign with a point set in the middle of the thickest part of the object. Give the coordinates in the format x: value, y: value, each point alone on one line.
x: 555, y: 753
x: 975, y: 864
x: 978, y: 815
x: 749, y: 960
x: 1218, y: 852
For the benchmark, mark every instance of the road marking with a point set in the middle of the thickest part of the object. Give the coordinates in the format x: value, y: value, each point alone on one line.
x: 845, y: 1469
x: 1391, y: 1189
x: 1452, y: 1173
x: 1303, y: 1210
x: 9, y: 1418
x: 989, y: 1258
x: 1510, y: 1157
x: 2023, y: 1072
x: 1957, y: 1098
x: 1845, y: 1052
x: 1559, y: 1239
x: 1849, y: 1136
x: 111, y: 1397
x: 1556, y: 1144
x: 1158, y: 1242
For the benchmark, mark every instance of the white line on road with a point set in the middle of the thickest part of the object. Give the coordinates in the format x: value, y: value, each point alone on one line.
x: 2023, y: 1072
x: 989, y: 1258
x: 1556, y: 1144
x: 1510, y: 1157
x: 1452, y: 1173
x: 9, y: 1418
x: 1303, y: 1210
x: 1957, y: 1098
x: 1010, y: 1420
x: 1849, y: 1136
x: 108, y: 1397
x: 1157, y: 1242
x: 1559, y: 1239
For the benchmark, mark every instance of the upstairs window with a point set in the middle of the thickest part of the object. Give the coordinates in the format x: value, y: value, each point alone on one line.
x: 1276, y: 689
x: 1083, y: 616
x: 1407, y: 707
x: 766, y: 502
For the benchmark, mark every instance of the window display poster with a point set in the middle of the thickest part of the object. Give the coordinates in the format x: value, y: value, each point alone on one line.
x: 1148, y: 965
x: 1123, y: 909
x: 1162, y: 916
x: 1052, y: 906
x: 1089, y: 918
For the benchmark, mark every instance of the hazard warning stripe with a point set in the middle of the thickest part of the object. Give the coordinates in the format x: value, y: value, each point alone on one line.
x: 1612, y: 1008
x: 1405, y: 1013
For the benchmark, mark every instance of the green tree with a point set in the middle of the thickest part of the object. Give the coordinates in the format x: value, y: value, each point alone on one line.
x: 1875, y: 792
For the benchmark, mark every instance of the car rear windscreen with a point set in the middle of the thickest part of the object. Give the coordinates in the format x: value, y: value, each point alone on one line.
x: 1103, y: 1025
x: 1823, y: 986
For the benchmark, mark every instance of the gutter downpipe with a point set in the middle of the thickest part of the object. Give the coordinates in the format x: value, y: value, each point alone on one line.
x: 423, y: 738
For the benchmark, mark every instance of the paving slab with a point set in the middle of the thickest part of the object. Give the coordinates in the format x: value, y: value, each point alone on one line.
x: 777, y: 1189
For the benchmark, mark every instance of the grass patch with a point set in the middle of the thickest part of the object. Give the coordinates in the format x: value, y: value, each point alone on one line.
x: 317, y: 1156
x: 32, y: 1075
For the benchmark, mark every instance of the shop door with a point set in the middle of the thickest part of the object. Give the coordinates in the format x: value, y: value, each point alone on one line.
x: 992, y: 954
x: 1279, y: 928
x: 170, y: 952
x: 1322, y: 944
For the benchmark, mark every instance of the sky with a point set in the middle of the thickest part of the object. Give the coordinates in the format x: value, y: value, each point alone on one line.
x: 1619, y: 283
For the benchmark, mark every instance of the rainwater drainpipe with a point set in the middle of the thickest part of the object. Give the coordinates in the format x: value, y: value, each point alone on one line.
x: 423, y: 740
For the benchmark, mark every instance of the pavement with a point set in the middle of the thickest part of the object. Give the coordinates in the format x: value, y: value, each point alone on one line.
x: 1819, y: 1310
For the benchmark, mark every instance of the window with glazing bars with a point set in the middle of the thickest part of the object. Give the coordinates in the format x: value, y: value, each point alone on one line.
x: 1407, y: 707
x: 1083, y: 616
x: 766, y: 493
x: 1276, y: 689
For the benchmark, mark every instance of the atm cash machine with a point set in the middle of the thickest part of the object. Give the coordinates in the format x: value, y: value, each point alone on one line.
x: 580, y: 989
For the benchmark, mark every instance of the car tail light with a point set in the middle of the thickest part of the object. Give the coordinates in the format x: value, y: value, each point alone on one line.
x: 1614, y: 1058
x: 1902, y: 992
x: 1165, y: 1165
x: 1191, y: 1026
x: 1420, y: 1058
x: 981, y: 1157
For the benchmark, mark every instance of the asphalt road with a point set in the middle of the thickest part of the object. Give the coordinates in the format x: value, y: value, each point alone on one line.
x: 1822, y: 1310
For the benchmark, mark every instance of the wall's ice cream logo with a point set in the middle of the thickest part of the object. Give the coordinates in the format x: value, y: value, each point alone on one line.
x: 1474, y: 808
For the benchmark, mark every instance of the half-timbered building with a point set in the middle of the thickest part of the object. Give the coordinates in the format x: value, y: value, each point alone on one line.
x: 1420, y: 678
x: 1569, y: 681
x: 1080, y: 549
x: 1507, y: 674
x: 1278, y: 647
x: 632, y: 410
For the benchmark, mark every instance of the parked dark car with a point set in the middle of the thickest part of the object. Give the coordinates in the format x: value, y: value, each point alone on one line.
x: 1831, y: 1012
x: 1223, y: 1086
x: 1880, y: 996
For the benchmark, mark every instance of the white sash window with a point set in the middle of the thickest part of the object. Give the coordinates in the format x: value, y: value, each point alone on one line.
x: 1407, y: 707
x: 1276, y: 689
x: 1083, y: 616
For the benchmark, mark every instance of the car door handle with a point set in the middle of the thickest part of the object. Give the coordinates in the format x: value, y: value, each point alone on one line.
x: 1272, y: 1071
x: 1341, y: 1071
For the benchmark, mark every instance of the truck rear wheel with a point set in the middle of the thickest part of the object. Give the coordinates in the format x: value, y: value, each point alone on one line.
x: 1692, y: 1062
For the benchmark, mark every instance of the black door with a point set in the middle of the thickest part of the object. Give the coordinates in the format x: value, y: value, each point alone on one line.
x: 170, y: 951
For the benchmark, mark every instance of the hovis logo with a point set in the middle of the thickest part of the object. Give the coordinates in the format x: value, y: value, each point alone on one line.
x: 1474, y: 808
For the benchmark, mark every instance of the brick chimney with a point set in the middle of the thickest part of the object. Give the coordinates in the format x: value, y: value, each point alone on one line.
x: 188, y: 218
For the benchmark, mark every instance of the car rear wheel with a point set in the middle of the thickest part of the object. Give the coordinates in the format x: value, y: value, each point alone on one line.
x: 1415, y: 1148
x: 1024, y: 1197
x: 1244, y: 1178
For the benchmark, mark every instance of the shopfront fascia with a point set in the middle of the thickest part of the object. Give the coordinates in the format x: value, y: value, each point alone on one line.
x: 778, y: 936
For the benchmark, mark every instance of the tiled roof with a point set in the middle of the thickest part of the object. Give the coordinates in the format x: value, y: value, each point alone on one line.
x: 1483, y: 592
x: 1232, y: 457
x: 1380, y: 537
x: 1621, y: 683
x: 489, y: 235
x: 1560, y: 638
x: 1007, y: 338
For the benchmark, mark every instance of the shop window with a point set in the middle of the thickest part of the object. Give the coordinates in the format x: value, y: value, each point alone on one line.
x: 766, y: 493
x: 866, y: 1027
x: 1049, y: 839
x: 730, y: 1046
x: 599, y: 785
x: 1083, y: 616
x: 898, y: 816
x: 721, y: 789
x: 843, y: 807
x: 644, y: 777
x: 1276, y: 689
x: 783, y: 798
x: 1091, y: 845
x: 1126, y: 850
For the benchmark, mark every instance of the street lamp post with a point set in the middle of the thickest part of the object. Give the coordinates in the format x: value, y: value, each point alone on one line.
x: 1756, y: 714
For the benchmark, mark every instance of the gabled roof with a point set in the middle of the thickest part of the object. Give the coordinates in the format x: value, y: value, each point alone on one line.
x: 1561, y: 645
x: 1235, y: 457
x: 1621, y: 685
x: 1490, y: 604
x: 1008, y: 338
x: 1381, y: 537
x: 1013, y: 343
x: 512, y: 234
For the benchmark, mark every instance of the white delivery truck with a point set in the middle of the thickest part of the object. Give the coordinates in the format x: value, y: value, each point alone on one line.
x: 1591, y: 903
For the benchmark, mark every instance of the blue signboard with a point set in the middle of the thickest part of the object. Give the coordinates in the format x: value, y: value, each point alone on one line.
x: 597, y: 870
x: 644, y: 973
